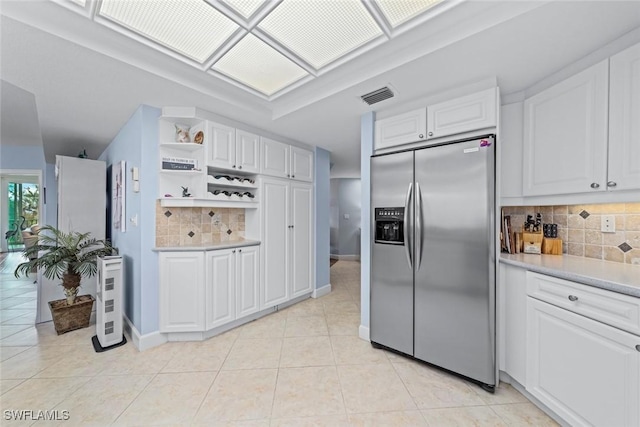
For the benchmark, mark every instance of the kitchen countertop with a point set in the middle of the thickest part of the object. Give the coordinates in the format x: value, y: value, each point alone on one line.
x: 209, y: 246
x: 612, y: 276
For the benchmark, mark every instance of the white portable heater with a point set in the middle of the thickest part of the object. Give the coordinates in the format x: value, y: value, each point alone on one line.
x: 109, y: 304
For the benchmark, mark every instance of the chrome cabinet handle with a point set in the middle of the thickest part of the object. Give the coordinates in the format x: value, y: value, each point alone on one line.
x: 611, y: 184
x: 234, y: 166
x: 421, y: 136
x: 573, y: 298
x: 239, y: 250
x: 430, y: 134
x: 240, y: 167
x: 595, y: 185
x: 233, y: 251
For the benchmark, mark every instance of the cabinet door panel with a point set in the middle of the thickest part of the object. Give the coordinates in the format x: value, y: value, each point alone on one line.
x: 624, y: 117
x: 401, y: 129
x: 512, y: 322
x: 275, y: 247
x: 220, y: 288
x: 275, y: 158
x: 565, y: 139
x: 585, y: 371
x: 247, y: 280
x: 464, y: 114
x: 182, y: 292
x: 247, y: 151
x: 302, y: 240
x: 511, y: 122
x: 221, y: 147
x: 301, y: 164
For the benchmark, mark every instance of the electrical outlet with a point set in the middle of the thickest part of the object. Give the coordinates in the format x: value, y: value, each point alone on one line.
x: 608, y: 224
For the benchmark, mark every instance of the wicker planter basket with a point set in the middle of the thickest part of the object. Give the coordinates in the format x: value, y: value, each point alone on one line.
x: 70, y: 317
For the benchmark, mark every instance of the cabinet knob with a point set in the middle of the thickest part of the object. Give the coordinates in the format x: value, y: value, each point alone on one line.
x: 611, y: 184
x: 288, y: 176
x: 430, y: 133
x: 573, y: 298
x: 240, y: 167
x: 421, y: 136
x: 638, y: 347
x: 233, y: 251
x: 595, y: 185
x: 293, y: 176
x: 239, y: 250
x: 234, y: 166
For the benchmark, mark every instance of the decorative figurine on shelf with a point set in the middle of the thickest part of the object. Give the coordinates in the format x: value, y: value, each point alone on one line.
x: 199, y: 137
x: 182, y: 134
x: 83, y: 154
x: 185, y: 192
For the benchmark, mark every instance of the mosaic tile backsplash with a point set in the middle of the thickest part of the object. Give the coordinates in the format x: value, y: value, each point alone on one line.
x: 197, y: 226
x: 579, y: 229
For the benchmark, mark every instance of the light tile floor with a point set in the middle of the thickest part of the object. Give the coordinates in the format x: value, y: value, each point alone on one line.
x: 301, y: 366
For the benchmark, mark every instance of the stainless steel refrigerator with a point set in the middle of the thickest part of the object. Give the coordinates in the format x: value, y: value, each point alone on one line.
x: 433, y: 255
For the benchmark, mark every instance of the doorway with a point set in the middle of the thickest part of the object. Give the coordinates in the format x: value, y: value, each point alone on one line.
x: 21, y: 206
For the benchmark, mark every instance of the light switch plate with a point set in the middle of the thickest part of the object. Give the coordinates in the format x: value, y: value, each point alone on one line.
x: 608, y: 224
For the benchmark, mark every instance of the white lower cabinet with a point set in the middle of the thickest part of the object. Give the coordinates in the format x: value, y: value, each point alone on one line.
x: 512, y: 321
x: 202, y: 290
x: 182, y: 292
x: 287, y: 241
x: 584, y: 370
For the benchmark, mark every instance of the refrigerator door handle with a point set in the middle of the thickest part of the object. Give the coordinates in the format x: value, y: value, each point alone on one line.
x: 406, y: 225
x: 418, y: 238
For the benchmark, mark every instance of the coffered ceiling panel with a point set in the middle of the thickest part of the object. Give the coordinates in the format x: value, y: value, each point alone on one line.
x: 400, y: 11
x: 192, y: 28
x: 320, y: 31
x: 257, y: 65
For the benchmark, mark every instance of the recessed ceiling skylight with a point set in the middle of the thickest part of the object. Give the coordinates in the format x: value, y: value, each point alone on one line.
x: 259, y: 66
x: 399, y: 11
x: 192, y: 28
x: 320, y: 31
x: 245, y: 8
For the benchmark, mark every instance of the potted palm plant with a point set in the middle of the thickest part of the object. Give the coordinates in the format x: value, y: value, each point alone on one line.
x: 70, y: 257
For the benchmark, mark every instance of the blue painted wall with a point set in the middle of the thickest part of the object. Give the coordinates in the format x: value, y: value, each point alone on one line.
x: 346, y: 193
x: 367, y: 124
x: 322, y: 194
x: 21, y: 157
x: 136, y: 143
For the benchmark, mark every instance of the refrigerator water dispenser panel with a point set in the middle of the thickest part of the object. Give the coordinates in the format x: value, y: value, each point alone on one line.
x: 389, y: 226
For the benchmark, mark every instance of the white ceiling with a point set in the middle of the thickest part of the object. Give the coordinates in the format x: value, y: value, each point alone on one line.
x: 88, y: 79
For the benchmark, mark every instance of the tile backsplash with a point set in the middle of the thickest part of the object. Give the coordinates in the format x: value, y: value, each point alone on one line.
x: 198, y: 226
x: 579, y: 228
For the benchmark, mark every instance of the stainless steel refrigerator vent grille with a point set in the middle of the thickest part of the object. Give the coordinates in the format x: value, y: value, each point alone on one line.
x: 377, y: 95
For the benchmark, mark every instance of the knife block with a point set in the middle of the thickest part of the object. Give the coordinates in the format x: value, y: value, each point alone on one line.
x: 551, y: 246
x: 532, y: 243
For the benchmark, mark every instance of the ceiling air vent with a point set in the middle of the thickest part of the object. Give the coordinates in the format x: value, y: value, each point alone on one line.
x: 377, y: 95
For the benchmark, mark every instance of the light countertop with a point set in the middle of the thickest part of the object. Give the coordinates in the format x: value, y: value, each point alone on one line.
x: 612, y: 276
x: 209, y: 246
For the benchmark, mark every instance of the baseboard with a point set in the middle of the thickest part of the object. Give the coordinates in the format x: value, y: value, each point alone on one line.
x: 346, y: 257
x: 363, y: 333
x: 142, y: 342
x: 322, y: 291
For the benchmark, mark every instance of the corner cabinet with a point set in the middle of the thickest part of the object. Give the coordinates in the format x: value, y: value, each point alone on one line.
x: 182, y: 291
x: 202, y: 290
x: 286, y: 161
x: 579, y: 365
x: 624, y: 120
x: 287, y: 241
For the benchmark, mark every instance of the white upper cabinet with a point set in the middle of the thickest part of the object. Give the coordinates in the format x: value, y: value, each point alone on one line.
x: 624, y: 120
x: 221, y: 150
x: 247, y: 151
x: 286, y: 161
x: 401, y: 129
x: 275, y: 158
x: 301, y: 164
x: 565, y: 135
x: 464, y: 114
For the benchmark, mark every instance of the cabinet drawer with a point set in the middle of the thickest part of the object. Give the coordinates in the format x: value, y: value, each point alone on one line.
x: 618, y: 310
